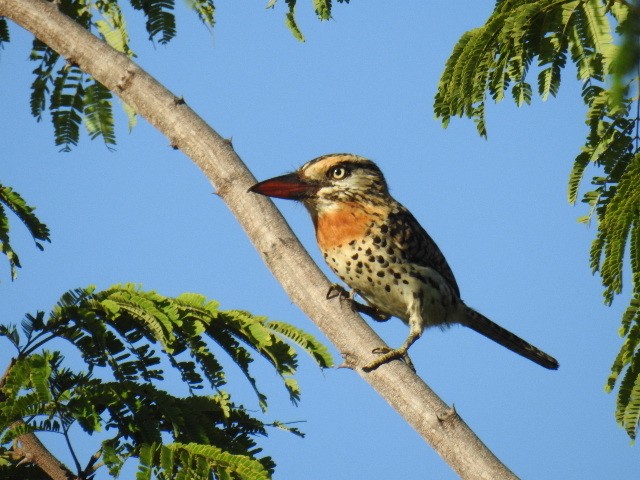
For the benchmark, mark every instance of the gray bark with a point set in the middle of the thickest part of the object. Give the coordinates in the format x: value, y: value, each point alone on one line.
x: 303, y: 281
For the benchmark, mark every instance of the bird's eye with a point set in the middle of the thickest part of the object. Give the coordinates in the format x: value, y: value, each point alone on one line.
x: 338, y: 173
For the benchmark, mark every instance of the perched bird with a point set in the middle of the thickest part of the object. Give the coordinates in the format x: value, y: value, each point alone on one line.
x: 376, y: 246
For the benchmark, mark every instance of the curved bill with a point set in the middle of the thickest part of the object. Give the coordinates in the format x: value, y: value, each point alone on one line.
x: 289, y: 186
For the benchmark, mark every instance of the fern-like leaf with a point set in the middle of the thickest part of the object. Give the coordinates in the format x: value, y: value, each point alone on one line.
x: 205, y: 10
x: 318, y: 351
x: 67, y: 106
x: 98, y: 115
x: 4, y: 32
x: 113, y: 27
x: 161, y: 22
x: 12, y: 200
x: 197, y: 462
x: 38, y: 230
x: 44, y: 76
x: 290, y: 21
x: 323, y: 9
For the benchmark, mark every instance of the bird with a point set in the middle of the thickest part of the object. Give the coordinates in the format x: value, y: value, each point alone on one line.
x: 378, y: 248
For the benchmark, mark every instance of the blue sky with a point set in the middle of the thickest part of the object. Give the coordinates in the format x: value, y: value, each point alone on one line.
x: 363, y: 83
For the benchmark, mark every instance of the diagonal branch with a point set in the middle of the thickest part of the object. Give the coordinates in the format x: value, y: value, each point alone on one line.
x: 303, y: 281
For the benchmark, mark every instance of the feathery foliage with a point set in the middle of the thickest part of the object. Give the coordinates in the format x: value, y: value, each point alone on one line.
x: 73, y: 97
x: 10, y: 199
x: 322, y: 9
x: 497, y: 56
x: 129, y: 338
x: 4, y: 32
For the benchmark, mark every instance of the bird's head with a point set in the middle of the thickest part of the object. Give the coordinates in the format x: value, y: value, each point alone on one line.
x: 328, y: 181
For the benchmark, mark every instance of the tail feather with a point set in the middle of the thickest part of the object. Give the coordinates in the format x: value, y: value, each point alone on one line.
x: 481, y: 324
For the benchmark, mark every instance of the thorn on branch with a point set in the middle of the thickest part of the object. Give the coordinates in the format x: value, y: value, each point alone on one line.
x: 349, y: 362
x: 125, y: 80
x: 448, y: 415
x: 70, y: 62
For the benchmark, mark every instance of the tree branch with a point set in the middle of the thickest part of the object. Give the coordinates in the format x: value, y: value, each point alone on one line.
x: 303, y: 281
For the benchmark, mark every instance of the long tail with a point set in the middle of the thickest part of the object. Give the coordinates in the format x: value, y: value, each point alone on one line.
x: 481, y: 324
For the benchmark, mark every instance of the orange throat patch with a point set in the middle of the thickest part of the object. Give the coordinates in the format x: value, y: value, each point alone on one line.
x: 341, y: 226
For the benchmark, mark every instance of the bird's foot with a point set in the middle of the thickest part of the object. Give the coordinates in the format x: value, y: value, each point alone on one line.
x: 339, y: 291
x: 386, y: 355
x: 375, y: 313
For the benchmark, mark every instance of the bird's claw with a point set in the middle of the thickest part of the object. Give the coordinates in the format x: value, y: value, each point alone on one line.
x: 375, y: 313
x: 386, y: 355
x: 339, y: 291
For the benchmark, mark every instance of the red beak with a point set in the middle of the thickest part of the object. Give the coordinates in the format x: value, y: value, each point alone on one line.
x: 288, y: 186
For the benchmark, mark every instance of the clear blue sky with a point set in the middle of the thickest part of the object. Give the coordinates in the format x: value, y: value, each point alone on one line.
x: 363, y: 83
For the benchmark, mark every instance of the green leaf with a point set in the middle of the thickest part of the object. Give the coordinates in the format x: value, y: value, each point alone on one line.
x: 4, y: 32
x: 98, y: 115
x: 12, y: 200
x: 323, y: 9
x: 44, y: 81
x: 309, y: 344
x: 67, y: 106
x: 205, y: 10
x: 290, y: 21
x: 113, y: 27
x: 161, y: 23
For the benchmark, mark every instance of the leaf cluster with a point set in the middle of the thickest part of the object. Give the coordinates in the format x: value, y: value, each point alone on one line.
x: 498, y: 57
x: 322, y: 9
x: 73, y: 97
x: 11, y: 200
x: 128, y: 339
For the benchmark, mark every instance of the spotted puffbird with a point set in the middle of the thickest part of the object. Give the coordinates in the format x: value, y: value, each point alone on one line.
x: 378, y: 248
